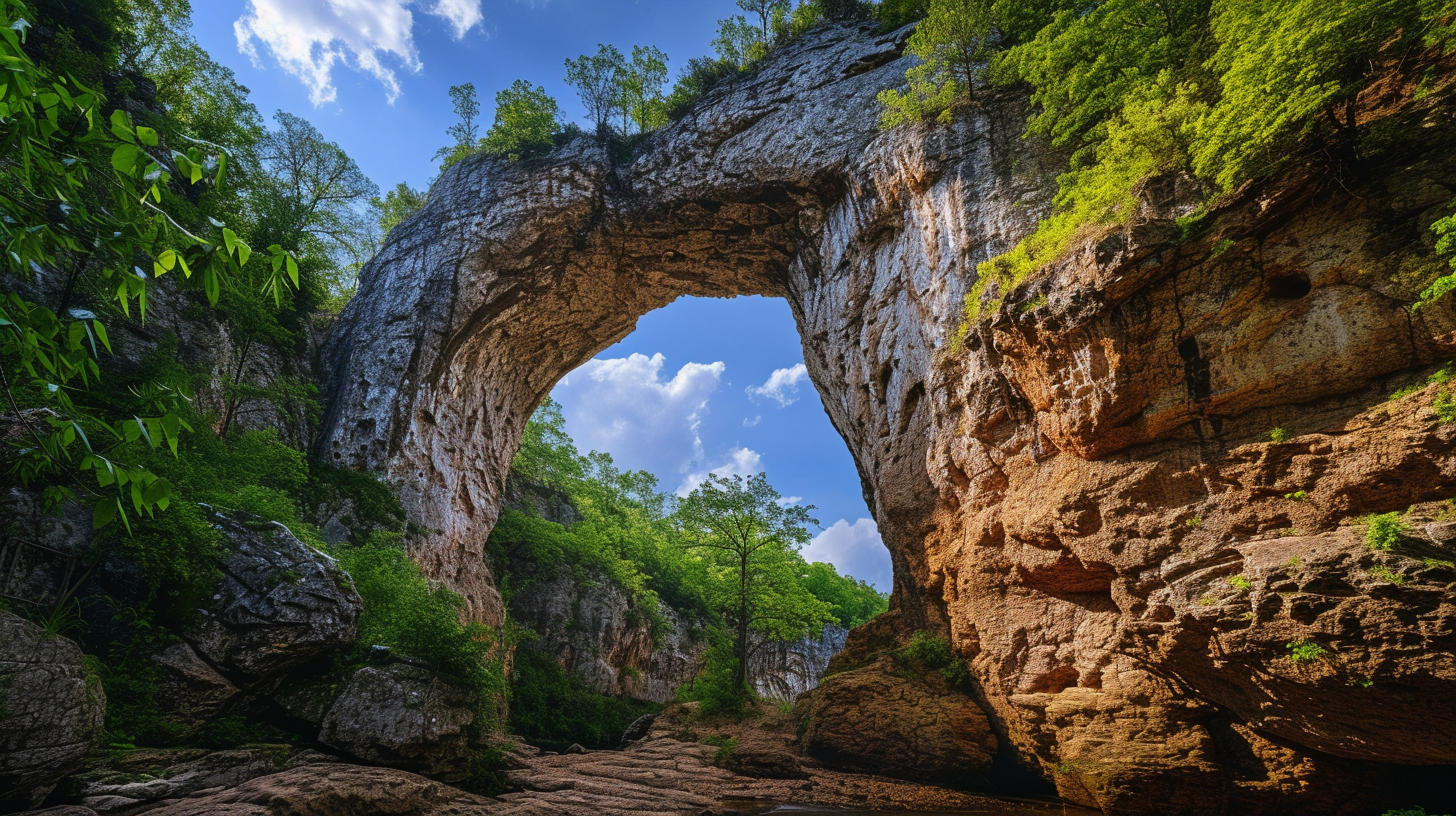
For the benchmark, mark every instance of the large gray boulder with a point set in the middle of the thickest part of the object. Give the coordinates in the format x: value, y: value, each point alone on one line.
x: 51, y: 711
x: 405, y: 717
x: 280, y: 604
x: 192, y: 693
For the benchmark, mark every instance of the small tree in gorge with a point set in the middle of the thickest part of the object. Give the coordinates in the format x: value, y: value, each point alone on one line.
x: 748, y: 541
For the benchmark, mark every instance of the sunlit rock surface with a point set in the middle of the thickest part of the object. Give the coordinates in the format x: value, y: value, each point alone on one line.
x: 1066, y: 488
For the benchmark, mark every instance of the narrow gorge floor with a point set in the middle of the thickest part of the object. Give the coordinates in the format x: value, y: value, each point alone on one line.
x: 670, y: 771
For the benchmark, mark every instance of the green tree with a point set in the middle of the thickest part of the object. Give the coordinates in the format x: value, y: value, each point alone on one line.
x: 526, y: 119
x: 314, y: 199
x: 739, y: 42
x: 640, y: 84
x: 851, y: 602
x: 396, y: 206
x: 951, y: 44
x: 596, y: 78
x: 465, y: 132
x: 748, y: 541
x: 771, y: 14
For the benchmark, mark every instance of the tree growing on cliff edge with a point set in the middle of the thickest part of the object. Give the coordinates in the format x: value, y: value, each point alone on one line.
x: 747, y: 539
x: 951, y: 43
x: 595, y: 77
x: 526, y: 118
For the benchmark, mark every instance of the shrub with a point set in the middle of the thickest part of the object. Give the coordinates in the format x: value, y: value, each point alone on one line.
x: 930, y: 653
x: 1278, y: 435
x: 554, y: 708
x: 1384, y: 530
x: 402, y: 611
x: 1306, y: 651
x: 717, y: 690
x: 1240, y: 583
x: 725, y: 745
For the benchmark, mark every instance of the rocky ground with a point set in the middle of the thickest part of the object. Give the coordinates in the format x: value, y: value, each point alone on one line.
x: 743, y: 768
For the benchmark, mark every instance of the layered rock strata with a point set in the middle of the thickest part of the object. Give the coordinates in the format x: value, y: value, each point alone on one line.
x: 1068, y: 487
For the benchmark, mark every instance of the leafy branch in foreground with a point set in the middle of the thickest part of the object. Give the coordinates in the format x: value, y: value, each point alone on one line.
x: 84, y: 203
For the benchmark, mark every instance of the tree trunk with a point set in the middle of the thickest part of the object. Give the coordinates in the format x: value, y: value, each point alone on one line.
x: 740, y: 673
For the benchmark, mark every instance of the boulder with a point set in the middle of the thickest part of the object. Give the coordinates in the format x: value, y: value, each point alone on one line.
x: 404, y: 717
x: 639, y: 728
x: 764, y: 763
x: 190, y: 692
x: 51, y: 711
x: 280, y: 604
x: 882, y: 719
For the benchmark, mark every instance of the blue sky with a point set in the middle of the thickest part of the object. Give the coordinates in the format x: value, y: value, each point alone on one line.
x: 701, y: 386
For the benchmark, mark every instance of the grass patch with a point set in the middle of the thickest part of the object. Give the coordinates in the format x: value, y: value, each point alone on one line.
x: 1241, y: 584
x: 1384, y: 530
x: 725, y: 745
x: 1389, y: 576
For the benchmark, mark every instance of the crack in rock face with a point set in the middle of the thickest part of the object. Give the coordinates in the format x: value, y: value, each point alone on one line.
x: 1069, y: 490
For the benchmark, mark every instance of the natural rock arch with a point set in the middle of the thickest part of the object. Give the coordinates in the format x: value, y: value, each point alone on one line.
x: 513, y: 274
x: 1070, y: 494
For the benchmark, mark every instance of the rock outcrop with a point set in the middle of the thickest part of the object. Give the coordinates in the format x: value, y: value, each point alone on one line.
x: 884, y: 719
x: 51, y: 711
x: 404, y: 717
x: 281, y: 603
x: 783, y: 671
x: 1066, y: 486
x: 592, y: 629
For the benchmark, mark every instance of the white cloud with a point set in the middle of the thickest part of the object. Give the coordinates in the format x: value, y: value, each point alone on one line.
x: 310, y: 37
x: 853, y: 549
x: 739, y: 461
x: 782, y: 385
x: 462, y: 14
x: 749, y: 423
x: 785, y: 501
x: 624, y: 406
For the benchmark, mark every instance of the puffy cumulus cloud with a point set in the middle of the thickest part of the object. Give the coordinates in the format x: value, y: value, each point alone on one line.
x: 310, y: 37
x: 854, y: 549
x: 782, y: 386
x: 625, y: 406
x: 739, y: 461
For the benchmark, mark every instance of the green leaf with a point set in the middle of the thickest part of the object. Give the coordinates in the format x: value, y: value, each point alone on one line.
x: 104, y: 514
x: 212, y: 286
x: 101, y: 334
x: 229, y: 239
x: 124, y: 158
x: 147, y: 136
x: 121, y: 126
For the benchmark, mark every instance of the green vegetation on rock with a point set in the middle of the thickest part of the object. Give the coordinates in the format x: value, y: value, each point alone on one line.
x: 1221, y: 92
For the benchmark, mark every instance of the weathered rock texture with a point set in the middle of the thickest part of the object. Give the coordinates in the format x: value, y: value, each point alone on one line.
x: 404, y: 717
x: 280, y: 604
x: 51, y: 711
x: 884, y: 719
x: 1060, y: 489
x: 783, y: 671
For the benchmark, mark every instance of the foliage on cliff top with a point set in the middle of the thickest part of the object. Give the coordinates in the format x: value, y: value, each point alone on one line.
x: 1221, y: 91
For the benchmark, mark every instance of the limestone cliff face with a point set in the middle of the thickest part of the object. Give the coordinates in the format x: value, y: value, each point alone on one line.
x: 1068, y: 491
